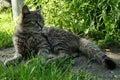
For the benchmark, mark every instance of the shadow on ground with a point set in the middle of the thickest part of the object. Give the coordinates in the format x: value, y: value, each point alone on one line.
x: 98, y: 70
x: 81, y: 64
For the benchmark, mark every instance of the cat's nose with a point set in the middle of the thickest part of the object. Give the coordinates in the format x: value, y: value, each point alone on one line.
x: 36, y: 25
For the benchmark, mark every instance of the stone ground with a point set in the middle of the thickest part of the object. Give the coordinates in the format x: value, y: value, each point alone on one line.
x: 81, y: 64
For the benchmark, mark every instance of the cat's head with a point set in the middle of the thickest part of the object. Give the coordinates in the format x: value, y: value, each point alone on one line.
x: 31, y: 20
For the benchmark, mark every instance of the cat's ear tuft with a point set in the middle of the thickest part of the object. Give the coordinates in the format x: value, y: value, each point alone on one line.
x: 39, y: 11
x: 25, y: 10
x: 40, y: 8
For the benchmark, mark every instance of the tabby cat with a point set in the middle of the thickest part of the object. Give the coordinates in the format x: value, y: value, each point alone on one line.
x: 31, y: 37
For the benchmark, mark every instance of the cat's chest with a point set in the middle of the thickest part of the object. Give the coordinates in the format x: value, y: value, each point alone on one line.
x: 28, y: 42
x: 33, y: 41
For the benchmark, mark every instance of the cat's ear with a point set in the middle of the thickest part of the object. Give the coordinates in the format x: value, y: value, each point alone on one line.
x: 25, y: 10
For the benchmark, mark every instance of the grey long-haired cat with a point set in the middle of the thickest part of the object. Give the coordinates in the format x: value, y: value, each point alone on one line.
x: 31, y: 37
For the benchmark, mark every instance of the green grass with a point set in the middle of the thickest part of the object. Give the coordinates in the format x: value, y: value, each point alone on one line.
x: 6, y: 29
x: 36, y: 70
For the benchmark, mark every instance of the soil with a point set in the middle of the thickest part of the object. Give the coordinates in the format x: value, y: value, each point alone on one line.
x: 82, y: 64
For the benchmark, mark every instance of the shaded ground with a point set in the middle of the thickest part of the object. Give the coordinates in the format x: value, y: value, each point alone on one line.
x: 100, y: 71
x: 81, y: 64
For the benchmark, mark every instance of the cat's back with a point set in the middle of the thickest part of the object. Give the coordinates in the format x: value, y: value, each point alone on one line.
x: 62, y: 39
x: 59, y: 33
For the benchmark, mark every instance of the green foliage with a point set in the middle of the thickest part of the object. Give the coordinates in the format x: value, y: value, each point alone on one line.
x: 96, y: 19
x: 36, y: 70
x: 4, y: 5
x: 6, y: 29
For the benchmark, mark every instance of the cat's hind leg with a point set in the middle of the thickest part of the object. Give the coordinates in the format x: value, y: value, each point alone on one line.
x: 13, y: 59
x: 47, y: 56
x: 58, y: 57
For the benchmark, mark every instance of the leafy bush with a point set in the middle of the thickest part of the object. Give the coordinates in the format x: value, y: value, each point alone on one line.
x: 96, y: 19
x: 4, y: 5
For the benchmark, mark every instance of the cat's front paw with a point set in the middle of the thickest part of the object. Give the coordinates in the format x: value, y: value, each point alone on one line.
x: 7, y: 62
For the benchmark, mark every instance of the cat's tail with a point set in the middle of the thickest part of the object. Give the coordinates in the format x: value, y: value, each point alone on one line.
x: 92, y: 51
